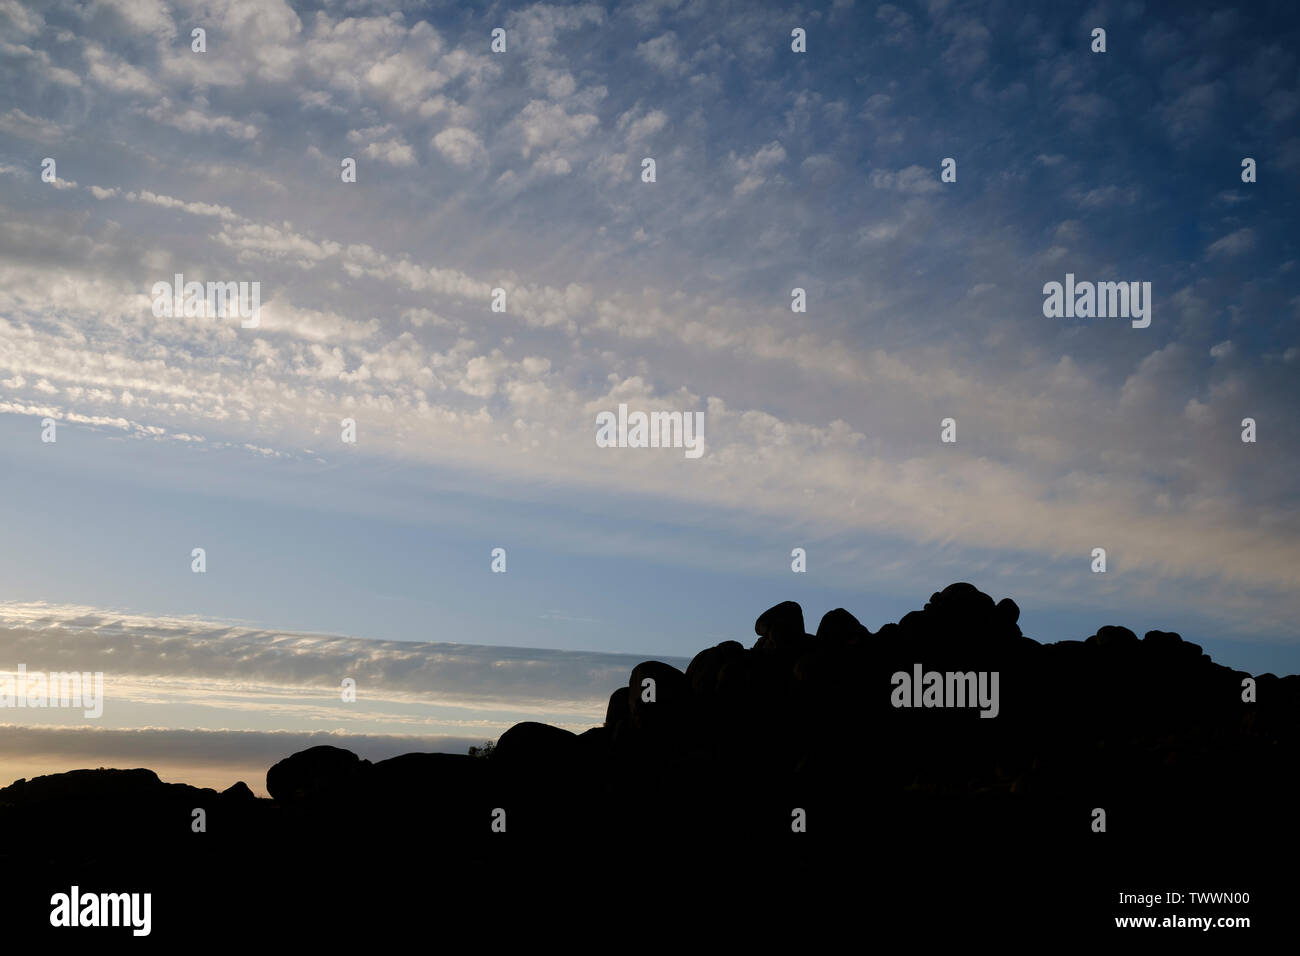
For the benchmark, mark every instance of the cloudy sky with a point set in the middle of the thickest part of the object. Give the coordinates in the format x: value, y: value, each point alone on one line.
x: 522, y: 170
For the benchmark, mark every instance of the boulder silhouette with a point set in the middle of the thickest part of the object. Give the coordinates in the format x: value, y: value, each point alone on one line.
x: 1009, y: 610
x: 780, y: 628
x: 239, y: 791
x: 711, y: 780
x: 702, y: 673
x: 618, y: 709
x: 534, y: 746
x: 1111, y: 635
x: 839, y: 626
x: 657, y: 695
x: 314, y: 773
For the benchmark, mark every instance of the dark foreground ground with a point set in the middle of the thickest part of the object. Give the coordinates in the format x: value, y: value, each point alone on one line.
x: 673, y: 824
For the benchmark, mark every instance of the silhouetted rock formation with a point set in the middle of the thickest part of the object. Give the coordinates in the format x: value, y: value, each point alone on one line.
x: 319, y: 773
x: 238, y: 793
x: 702, y: 776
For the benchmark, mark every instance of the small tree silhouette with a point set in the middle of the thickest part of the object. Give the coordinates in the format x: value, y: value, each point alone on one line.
x: 484, y: 751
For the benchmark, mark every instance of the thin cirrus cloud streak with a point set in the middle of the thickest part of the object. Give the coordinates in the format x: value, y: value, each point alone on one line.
x: 466, y: 676
x: 521, y: 172
x: 184, y: 696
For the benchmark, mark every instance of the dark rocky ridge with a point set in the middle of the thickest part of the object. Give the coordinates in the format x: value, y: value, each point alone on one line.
x: 959, y: 814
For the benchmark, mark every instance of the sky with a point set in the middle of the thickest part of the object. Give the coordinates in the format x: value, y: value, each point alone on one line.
x: 475, y: 429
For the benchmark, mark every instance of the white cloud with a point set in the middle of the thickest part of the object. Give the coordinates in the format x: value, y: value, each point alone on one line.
x: 17, y: 123
x: 191, y: 120
x: 1233, y: 244
x: 755, y: 170
x: 169, y: 202
x: 148, y: 17
x: 638, y: 128
x: 663, y: 53
x: 459, y: 145
x: 548, y: 125
x: 1103, y: 196
x: 394, y: 151
x: 116, y: 74
x: 912, y: 179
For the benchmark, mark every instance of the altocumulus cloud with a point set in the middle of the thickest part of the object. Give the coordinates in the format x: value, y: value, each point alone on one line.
x: 821, y: 424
